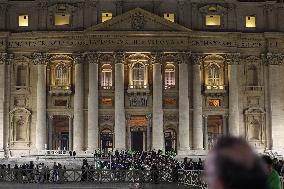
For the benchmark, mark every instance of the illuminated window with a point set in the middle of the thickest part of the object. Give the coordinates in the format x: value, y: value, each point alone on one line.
x: 106, y: 76
x: 61, y: 75
x: 106, y: 16
x: 213, y: 20
x: 170, y: 17
x: 214, y: 75
x: 138, y: 75
x: 62, y: 19
x: 23, y: 20
x: 170, y: 81
x: 214, y: 102
x: 250, y: 22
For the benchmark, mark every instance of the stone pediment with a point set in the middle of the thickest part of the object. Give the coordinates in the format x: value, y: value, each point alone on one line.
x: 138, y: 20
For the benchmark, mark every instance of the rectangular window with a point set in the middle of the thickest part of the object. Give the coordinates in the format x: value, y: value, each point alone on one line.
x: 250, y: 22
x: 62, y: 19
x: 106, y: 16
x: 23, y: 20
x: 213, y: 20
x: 170, y: 17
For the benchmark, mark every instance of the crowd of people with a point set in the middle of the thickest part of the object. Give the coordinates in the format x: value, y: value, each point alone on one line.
x: 117, y: 165
x: 155, y: 164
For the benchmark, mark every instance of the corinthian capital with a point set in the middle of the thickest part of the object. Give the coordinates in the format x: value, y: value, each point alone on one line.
x: 78, y: 58
x: 119, y: 57
x: 197, y: 58
x: 6, y: 58
x: 92, y: 57
x: 274, y: 58
x: 182, y: 57
x: 156, y: 57
x: 233, y: 58
x: 40, y: 58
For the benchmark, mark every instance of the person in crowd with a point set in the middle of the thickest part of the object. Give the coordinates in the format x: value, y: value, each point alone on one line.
x: 233, y: 164
x: 273, y: 179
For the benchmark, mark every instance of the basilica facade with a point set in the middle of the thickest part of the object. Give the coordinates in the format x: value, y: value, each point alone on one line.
x: 140, y: 75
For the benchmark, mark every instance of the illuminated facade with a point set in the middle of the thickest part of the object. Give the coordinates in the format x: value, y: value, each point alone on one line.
x: 171, y: 75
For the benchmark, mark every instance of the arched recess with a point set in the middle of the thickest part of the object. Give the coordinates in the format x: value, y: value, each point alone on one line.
x: 20, y: 120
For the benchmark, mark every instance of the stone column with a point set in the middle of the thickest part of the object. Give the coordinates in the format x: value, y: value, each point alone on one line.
x: 3, y: 93
x: 78, y: 127
x: 232, y: 61
x: 50, y: 131
x: 149, y: 121
x: 41, y: 129
x: 93, y: 115
x: 71, y: 133
x: 158, y: 125
x: 205, y: 132
x: 225, y: 125
x: 183, y: 136
x: 128, y: 132
x: 119, y: 128
x: 197, y: 103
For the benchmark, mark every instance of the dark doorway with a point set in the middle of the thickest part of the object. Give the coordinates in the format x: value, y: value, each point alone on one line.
x: 170, y: 140
x: 60, y: 133
x: 137, y: 141
x: 106, y: 141
x: 215, y: 129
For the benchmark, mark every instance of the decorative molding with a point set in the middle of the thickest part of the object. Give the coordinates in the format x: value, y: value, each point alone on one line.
x: 78, y: 58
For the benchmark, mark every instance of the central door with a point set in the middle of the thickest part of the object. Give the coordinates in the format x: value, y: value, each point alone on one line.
x: 137, y: 141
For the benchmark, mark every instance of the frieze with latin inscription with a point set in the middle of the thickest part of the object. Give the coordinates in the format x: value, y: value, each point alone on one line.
x: 101, y: 42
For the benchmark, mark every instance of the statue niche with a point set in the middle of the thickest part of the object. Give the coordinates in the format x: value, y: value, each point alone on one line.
x: 254, y: 129
x: 255, y: 125
x: 20, y: 126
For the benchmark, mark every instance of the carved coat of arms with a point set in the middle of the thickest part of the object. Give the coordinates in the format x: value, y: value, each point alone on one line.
x: 137, y: 21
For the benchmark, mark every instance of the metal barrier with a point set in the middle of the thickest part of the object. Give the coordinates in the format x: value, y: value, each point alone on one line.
x: 85, y: 175
x: 282, y: 182
x: 192, y: 178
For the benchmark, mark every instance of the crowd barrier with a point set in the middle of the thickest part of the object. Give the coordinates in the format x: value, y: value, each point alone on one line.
x: 61, y: 176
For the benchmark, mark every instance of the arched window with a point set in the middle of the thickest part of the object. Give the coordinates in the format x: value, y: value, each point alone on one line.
x: 170, y: 80
x: 106, y: 76
x: 61, y: 75
x: 170, y: 140
x: 214, y: 75
x: 252, y: 76
x: 106, y: 141
x: 138, y: 75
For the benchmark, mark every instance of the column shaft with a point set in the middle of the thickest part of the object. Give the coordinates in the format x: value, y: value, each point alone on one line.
x: 93, y: 125
x: 71, y: 133
x: 120, y: 128
x: 183, y: 108
x: 2, y: 104
x: 205, y: 133
x: 197, y: 109
x: 233, y: 101
x: 158, y: 127
x: 50, y: 132
x: 78, y: 127
x: 41, y: 108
